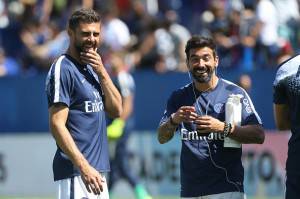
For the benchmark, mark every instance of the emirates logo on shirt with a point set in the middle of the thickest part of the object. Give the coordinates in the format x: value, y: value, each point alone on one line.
x: 187, y: 135
x: 94, y: 106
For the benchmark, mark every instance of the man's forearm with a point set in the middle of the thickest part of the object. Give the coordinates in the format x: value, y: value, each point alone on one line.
x: 282, y: 116
x: 113, y: 100
x: 65, y: 141
x: 166, y: 132
x: 249, y: 134
x: 127, y: 107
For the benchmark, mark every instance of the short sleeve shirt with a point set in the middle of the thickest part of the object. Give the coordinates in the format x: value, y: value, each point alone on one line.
x: 286, y: 90
x: 204, y: 162
x: 77, y: 87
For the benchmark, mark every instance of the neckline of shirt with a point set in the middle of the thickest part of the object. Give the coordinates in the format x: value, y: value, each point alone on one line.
x: 209, y: 90
x: 76, y: 63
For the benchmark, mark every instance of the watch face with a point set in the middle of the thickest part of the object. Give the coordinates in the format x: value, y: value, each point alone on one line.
x: 226, y: 129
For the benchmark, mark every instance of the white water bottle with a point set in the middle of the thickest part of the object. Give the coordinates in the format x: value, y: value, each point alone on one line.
x: 233, y: 115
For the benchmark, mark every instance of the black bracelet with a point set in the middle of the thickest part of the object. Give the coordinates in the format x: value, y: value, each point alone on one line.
x: 172, y: 121
x: 227, y: 129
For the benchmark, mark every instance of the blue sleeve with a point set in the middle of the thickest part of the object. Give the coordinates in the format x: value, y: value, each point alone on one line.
x: 172, y: 107
x: 279, y: 94
x: 59, y: 83
x: 249, y: 114
x: 281, y: 85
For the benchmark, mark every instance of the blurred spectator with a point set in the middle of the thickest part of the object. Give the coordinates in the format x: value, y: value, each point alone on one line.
x: 42, y: 50
x: 182, y: 34
x: 120, y: 129
x: 268, y: 33
x: 58, y: 11
x: 8, y: 66
x: 235, y: 8
x: 245, y: 82
x: 144, y: 54
x: 115, y: 32
x: 224, y: 33
x: 285, y: 53
x: 3, y: 15
x: 175, y: 28
x: 289, y: 19
x: 168, y: 46
x: 10, y: 31
x: 189, y: 12
x: 249, y: 31
x: 34, y: 26
x: 137, y: 19
x: 159, y: 47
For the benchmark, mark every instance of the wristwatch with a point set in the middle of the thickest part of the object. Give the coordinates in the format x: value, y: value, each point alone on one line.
x: 227, y: 129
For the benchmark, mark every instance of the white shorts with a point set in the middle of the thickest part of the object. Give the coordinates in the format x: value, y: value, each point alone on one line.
x: 227, y: 195
x: 74, y: 188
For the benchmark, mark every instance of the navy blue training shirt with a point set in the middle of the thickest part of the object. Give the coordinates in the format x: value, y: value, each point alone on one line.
x: 78, y: 87
x: 200, y: 172
x: 286, y: 89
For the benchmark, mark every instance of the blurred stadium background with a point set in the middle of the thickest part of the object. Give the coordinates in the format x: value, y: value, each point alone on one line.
x: 253, y: 38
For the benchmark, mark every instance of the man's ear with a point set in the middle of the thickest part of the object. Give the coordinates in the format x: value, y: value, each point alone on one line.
x: 217, y: 61
x: 70, y: 32
x: 187, y: 64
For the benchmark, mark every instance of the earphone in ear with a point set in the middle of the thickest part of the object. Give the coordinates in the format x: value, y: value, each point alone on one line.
x: 190, y: 76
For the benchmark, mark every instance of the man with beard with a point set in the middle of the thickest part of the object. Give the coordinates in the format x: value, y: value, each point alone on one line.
x: 80, y: 92
x: 286, y: 101
x: 209, y: 169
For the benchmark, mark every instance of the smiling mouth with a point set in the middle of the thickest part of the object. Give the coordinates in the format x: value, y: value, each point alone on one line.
x: 201, y: 72
x: 88, y: 46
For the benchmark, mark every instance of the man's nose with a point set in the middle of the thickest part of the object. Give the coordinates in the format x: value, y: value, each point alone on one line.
x: 91, y: 37
x: 202, y: 62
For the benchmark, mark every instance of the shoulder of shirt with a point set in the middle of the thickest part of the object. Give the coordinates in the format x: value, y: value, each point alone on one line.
x: 60, y: 67
x: 63, y: 63
x: 295, y: 58
x: 287, y: 68
x: 182, y: 90
x: 231, y: 87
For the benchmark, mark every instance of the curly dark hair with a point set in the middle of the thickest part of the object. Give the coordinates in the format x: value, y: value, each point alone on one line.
x: 83, y: 15
x: 197, y: 41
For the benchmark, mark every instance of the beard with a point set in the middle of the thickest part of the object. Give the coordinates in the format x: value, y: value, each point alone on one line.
x: 83, y: 46
x: 200, y: 78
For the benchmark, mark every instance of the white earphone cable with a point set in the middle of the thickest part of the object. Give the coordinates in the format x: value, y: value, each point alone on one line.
x: 209, y: 151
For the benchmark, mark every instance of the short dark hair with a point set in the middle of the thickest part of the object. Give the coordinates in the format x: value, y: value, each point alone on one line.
x: 83, y: 15
x: 197, y: 41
